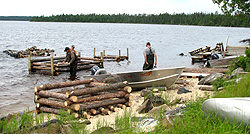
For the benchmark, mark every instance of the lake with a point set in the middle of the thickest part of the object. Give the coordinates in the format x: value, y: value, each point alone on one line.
x: 17, y: 85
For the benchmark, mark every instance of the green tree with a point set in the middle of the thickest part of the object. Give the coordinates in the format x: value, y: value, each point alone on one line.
x: 234, y: 6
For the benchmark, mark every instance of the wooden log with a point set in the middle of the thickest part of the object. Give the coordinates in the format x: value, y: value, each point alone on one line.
x: 120, y: 94
x: 95, y: 84
x: 47, y: 94
x: 40, y: 68
x: 128, y: 104
x: 106, y: 111
x: 126, y: 89
x: 79, y: 68
x: 55, y: 103
x: 49, y: 110
x: 102, y: 103
x: 205, y: 70
x: 128, y: 97
x: 62, y: 84
x: 207, y: 88
x: 99, y: 89
x: 121, y: 106
x: 46, y: 59
x: 182, y: 82
x: 86, y: 115
x: 93, y: 111
x: 52, y: 66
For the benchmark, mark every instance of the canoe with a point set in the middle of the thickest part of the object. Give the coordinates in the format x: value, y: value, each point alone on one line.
x: 233, y: 109
x: 144, y: 78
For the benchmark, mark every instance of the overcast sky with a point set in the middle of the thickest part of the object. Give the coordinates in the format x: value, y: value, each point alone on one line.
x: 54, y: 7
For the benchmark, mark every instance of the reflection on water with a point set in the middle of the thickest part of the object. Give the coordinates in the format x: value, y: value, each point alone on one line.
x: 17, y: 85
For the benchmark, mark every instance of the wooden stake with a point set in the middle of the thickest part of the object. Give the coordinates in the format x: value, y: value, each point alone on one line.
x: 52, y: 65
x: 94, y: 53
x: 29, y: 63
x: 127, y: 54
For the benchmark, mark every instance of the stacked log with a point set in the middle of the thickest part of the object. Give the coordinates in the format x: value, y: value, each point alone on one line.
x: 55, y: 66
x: 33, y: 51
x: 94, y: 98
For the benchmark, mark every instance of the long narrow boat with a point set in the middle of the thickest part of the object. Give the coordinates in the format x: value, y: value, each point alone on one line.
x: 146, y: 78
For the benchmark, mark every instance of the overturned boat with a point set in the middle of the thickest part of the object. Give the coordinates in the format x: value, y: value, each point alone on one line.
x: 232, y: 109
x: 141, y: 79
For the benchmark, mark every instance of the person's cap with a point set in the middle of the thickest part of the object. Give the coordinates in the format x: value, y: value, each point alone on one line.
x: 73, y: 46
x: 66, y: 49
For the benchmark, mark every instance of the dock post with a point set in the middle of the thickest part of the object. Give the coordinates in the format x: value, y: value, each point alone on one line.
x: 94, y: 53
x: 127, y: 53
x: 52, y: 65
x: 79, y: 54
x: 103, y: 52
x: 119, y: 53
x: 29, y: 63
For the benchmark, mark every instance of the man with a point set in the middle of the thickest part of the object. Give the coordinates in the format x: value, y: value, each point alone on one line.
x: 149, y: 56
x: 71, y: 58
x: 73, y: 48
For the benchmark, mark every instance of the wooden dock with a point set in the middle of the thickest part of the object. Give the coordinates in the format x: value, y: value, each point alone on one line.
x: 116, y: 58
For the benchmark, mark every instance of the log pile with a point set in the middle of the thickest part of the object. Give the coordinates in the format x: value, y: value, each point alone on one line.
x: 95, y: 98
x: 33, y: 51
x: 44, y: 65
x: 105, y: 57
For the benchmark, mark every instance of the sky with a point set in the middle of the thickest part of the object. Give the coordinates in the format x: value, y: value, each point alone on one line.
x: 55, y: 7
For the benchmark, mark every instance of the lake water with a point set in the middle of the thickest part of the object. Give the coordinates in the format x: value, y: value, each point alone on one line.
x: 17, y: 85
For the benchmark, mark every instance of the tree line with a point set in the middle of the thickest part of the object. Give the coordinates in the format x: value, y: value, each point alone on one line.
x: 198, y: 18
x: 16, y: 18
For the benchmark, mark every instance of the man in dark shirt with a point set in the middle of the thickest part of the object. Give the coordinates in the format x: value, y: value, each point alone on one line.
x: 71, y: 60
x: 149, y: 56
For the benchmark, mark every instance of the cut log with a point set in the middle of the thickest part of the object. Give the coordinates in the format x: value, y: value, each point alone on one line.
x: 86, y: 115
x: 41, y: 68
x: 50, y: 110
x: 207, y: 88
x: 128, y: 104
x: 93, y: 111
x: 106, y: 111
x: 85, y: 91
x: 47, y: 59
x: 57, y: 104
x: 46, y: 94
x: 121, y: 106
x: 95, y: 84
x: 128, y: 97
x: 103, y: 103
x: 179, y: 81
x: 62, y: 84
x: 120, y: 94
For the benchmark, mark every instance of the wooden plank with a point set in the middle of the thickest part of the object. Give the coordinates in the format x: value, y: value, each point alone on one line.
x: 194, y: 74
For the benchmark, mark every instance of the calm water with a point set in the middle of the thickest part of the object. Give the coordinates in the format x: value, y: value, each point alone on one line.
x: 17, y: 85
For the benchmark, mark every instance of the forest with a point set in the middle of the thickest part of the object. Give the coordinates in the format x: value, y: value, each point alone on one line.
x: 15, y: 18
x: 197, y: 18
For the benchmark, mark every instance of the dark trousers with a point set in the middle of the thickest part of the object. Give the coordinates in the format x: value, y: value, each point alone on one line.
x: 73, y: 70
x: 150, y: 65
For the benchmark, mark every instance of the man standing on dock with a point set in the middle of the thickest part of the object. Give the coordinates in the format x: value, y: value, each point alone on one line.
x: 71, y: 58
x: 149, y: 56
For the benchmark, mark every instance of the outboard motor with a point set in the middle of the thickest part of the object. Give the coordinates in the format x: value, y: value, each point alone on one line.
x: 214, y: 56
x: 95, y: 70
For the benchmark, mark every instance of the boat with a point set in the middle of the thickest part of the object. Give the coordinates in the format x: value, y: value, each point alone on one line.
x: 144, y: 78
x: 233, y: 109
x: 222, y: 62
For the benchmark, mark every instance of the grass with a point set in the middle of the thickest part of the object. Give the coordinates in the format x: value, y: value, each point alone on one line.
x: 193, y: 120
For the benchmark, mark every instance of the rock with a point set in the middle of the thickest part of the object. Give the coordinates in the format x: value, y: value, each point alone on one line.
x: 147, y: 125
x: 235, y: 73
x: 156, y: 100
x: 159, y: 109
x: 210, y: 78
x: 168, y: 120
x: 183, y: 90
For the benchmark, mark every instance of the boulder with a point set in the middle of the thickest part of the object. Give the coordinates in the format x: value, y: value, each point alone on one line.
x: 210, y: 78
x: 147, y: 125
x: 235, y: 73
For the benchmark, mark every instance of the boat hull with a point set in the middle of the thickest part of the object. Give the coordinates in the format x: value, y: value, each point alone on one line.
x: 146, y: 78
x: 233, y: 109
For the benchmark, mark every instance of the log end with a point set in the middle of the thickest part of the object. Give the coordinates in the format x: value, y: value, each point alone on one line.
x: 128, y: 97
x: 128, y: 89
x: 73, y: 98
x: 128, y: 104
x: 125, y: 82
x: 75, y: 107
